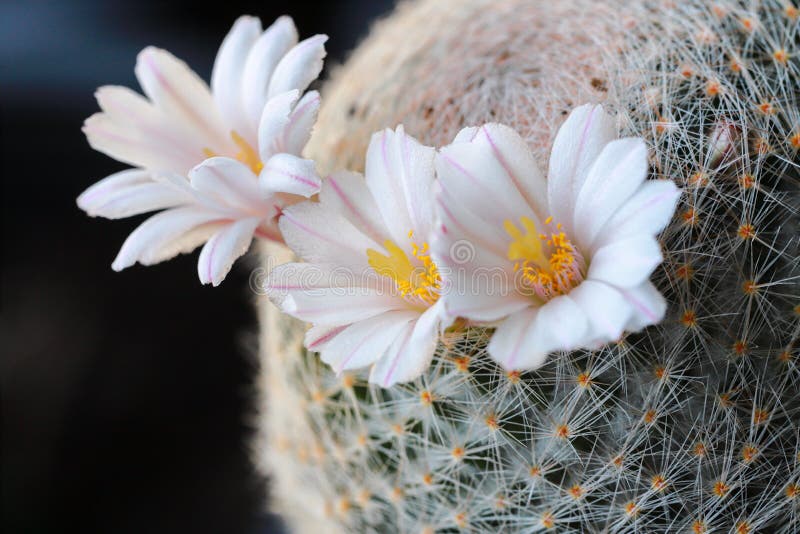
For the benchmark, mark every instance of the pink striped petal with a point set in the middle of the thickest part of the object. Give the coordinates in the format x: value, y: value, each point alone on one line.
x: 228, y: 71
x: 587, y: 130
x: 261, y: 61
x: 274, y: 122
x: 128, y: 193
x: 225, y: 247
x: 285, y: 173
x: 299, y: 67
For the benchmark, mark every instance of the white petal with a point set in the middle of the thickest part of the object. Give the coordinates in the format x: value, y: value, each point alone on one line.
x: 301, y: 122
x: 627, y: 262
x: 616, y: 174
x: 339, y: 306
x: 229, y: 183
x: 264, y: 56
x: 512, y: 153
x: 299, y: 67
x: 346, y: 193
x: 225, y: 247
x: 273, y: 123
x: 289, y: 278
x: 285, y: 173
x: 128, y: 193
x: 459, y: 224
x: 128, y: 144
x: 399, y: 174
x: 558, y: 325
x: 476, y: 284
x: 479, y: 192
x: 411, y: 352
x: 648, y: 211
x: 318, y: 336
x: 364, y: 342
x: 578, y: 143
x: 320, y: 235
x: 147, y: 242
x: 228, y: 72
x: 178, y: 92
x: 608, y: 312
x: 649, y: 306
x: 511, y: 345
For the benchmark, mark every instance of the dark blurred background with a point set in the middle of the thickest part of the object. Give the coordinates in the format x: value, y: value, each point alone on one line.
x: 125, y: 397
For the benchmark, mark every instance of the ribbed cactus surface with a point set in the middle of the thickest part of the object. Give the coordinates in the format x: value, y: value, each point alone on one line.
x: 689, y: 426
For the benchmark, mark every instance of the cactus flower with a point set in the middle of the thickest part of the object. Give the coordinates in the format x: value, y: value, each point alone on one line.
x: 202, y: 153
x: 371, y: 287
x: 562, y: 263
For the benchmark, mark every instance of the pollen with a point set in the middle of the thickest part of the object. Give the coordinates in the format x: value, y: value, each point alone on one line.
x: 721, y: 489
x: 699, y: 179
x: 458, y: 453
x: 576, y: 491
x: 689, y: 319
x: 740, y: 347
x: 548, y: 263
x: 736, y: 66
x: 794, y: 140
x: 700, y: 449
x: 547, y: 520
x: 750, y: 287
x: 685, y: 272
x: 427, y: 479
x: 760, y: 416
x: 660, y: 372
x: 247, y: 154
x: 699, y: 527
x: 462, y: 363
x: 746, y: 231
x: 743, y: 527
x: 397, y: 494
x: 748, y: 23
x: 348, y: 381
x: 584, y: 380
x: 690, y: 217
x: 460, y: 519
x: 762, y: 146
x: 650, y: 416
x: 785, y: 356
x: 426, y: 398
x: 780, y: 55
x: 792, y: 491
x: 618, y: 460
x: 791, y: 12
x: 713, y: 88
x: 491, y: 422
x: 686, y: 70
x: 746, y: 181
x: 725, y: 400
x: 535, y: 471
x: 631, y: 509
x: 562, y: 431
x: 658, y: 483
x: 513, y: 376
x: 766, y: 108
x: 749, y: 453
x: 418, y: 281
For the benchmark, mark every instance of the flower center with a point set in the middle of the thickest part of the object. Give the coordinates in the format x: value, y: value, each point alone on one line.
x: 548, y: 262
x: 419, y: 283
x: 246, y: 154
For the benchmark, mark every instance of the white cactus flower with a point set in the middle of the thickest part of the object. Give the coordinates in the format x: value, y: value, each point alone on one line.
x: 562, y: 263
x: 201, y: 153
x: 371, y: 287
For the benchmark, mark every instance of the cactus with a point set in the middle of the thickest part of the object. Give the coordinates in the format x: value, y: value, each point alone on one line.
x: 688, y: 426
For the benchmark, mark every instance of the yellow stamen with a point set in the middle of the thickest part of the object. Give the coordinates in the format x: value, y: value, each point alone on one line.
x: 246, y: 154
x: 414, y: 282
x: 550, y: 264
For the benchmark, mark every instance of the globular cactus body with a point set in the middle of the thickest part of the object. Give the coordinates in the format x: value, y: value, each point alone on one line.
x: 689, y: 426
